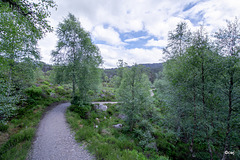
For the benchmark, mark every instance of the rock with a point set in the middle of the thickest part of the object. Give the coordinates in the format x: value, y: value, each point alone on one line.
x: 103, y: 95
x: 122, y: 116
x: 117, y: 126
x: 53, y: 95
x: 105, y: 117
x: 102, y: 107
x: 105, y: 132
x: 97, y: 120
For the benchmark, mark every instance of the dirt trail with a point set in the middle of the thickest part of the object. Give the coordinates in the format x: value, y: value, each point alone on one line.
x: 54, y: 140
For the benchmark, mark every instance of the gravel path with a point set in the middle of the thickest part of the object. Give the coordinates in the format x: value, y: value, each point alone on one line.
x: 54, y: 140
x: 102, y: 103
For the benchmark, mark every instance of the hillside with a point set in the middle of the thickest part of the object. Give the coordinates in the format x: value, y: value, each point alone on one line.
x: 153, y: 69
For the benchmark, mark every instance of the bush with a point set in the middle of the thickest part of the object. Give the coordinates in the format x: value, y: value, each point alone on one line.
x: 46, y: 89
x: 46, y: 83
x: 60, y: 90
x: 82, y: 110
x: 128, y: 154
x: 103, y: 150
x: 7, y: 111
x: 110, y: 111
x: 34, y: 92
x: 91, y: 93
x: 3, y: 127
x: 85, y: 133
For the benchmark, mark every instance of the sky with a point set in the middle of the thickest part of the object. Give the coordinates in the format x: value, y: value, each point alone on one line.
x: 136, y: 31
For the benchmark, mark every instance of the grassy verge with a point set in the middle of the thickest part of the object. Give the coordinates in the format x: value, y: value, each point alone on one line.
x: 16, y: 141
x: 105, y: 142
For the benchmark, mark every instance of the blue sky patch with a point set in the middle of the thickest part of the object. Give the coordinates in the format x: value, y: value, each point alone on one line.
x: 189, y: 6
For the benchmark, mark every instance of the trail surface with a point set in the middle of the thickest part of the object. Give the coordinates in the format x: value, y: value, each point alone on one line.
x: 54, y: 140
x: 102, y: 103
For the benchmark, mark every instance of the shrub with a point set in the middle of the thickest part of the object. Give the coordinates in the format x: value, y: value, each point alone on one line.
x: 46, y: 89
x: 85, y: 133
x: 103, y: 150
x: 125, y: 144
x: 7, y: 111
x: 3, y: 127
x: 82, y: 110
x: 34, y: 92
x: 46, y: 83
x: 128, y: 154
x: 110, y: 111
x: 91, y: 93
x: 60, y: 90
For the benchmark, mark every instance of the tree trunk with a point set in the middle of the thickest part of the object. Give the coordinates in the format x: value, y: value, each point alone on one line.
x: 74, y: 85
x: 226, y: 143
x: 195, y: 123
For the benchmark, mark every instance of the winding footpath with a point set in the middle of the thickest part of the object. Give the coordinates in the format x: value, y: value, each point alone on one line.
x: 54, y: 140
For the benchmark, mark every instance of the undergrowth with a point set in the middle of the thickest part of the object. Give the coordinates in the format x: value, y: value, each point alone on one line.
x: 105, y: 142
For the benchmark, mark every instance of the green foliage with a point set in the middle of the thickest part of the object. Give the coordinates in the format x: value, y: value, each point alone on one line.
x: 22, y: 23
x: 45, y: 88
x: 106, y: 142
x: 3, y: 127
x: 21, y: 128
x: 34, y: 92
x: 196, y: 92
x: 82, y: 110
x: 7, y: 101
x: 143, y: 133
x: 60, y: 90
x: 46, y: 83
x: 85, y: 134
x: 134, y: 93
x: 24, y: 135
x: 77, y: 58
x: 105, y: 95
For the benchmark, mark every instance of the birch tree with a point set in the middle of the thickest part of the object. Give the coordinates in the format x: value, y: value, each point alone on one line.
x: 77, y: 57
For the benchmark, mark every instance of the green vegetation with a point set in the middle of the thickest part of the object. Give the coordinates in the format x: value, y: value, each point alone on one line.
x: 77, y: 59
x: 199, y: 89
x: 17, y: 131
x: 104, y: 141
x: 194, y: 113
x: 23, y: 97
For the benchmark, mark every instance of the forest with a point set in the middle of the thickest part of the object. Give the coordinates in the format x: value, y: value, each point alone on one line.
x: 185, y: 108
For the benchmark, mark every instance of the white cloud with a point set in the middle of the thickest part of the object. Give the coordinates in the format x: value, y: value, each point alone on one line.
x: 109, y: 35
x: 46, y: 46
x: 155, y: 17
x: 156, y: 43
x: 136, y: 39
x: 111, y: 54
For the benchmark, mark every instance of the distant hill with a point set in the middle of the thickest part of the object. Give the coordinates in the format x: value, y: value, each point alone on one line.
x: 45, y: 67
x: 154, y: 68
x: 153, y: 65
